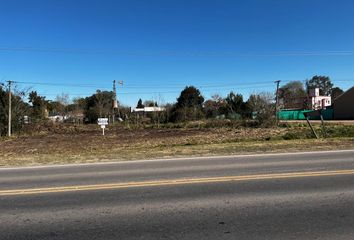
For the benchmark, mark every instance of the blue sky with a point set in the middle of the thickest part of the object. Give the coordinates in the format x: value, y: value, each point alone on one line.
x: 159, y: 46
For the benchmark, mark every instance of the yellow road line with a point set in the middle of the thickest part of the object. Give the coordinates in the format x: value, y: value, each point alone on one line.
x: 172, y: 182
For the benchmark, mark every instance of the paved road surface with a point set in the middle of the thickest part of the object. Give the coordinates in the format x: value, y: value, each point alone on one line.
x: 281, y: 196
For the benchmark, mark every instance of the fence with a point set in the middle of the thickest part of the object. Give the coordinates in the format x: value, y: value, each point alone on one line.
x: 327, y: 114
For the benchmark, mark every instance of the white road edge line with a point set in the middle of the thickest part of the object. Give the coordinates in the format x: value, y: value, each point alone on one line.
x: 171, y: 159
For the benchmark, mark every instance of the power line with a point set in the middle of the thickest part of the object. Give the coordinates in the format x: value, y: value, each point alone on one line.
x: 160, y: 92
x: 132, y: 86
x: 178, y: 53
x: 205, y: 88
x: 146, y: 87
x: 59, y: 84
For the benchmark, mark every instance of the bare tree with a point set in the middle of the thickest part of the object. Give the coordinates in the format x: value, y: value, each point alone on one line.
x: 263, y: 108
x: 160, y: 100
x: 63, y: 101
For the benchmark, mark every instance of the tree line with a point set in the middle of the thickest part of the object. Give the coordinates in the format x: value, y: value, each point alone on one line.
x: 189, y: 106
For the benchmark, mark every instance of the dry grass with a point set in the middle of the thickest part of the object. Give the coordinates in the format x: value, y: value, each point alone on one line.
x: 70, y: 144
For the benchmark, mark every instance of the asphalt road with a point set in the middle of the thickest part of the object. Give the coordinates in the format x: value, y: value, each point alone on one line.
x: 280, y: 196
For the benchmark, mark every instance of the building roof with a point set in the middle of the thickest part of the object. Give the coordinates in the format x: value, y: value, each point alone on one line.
x: 349, y: 91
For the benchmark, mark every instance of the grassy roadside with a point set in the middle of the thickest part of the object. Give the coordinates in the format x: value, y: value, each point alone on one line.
x: 85, y: 144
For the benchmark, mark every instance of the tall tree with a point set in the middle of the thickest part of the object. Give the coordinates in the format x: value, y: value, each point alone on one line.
x: 190, y: 97
x: 63, y: 101
x: 262, y: 108
x: 39, y: 105
x: 20, y: 109
x: 292, y: 89
x: 55, y: 108
x: 98, y: 105
x: 77, y: 106
x: 235, y: 104
x: 292, y: 94
x: 324, y: 83
x: 189, y: 105
x: 215, y: 106
x: 3, y: 110
x: 140, y: 104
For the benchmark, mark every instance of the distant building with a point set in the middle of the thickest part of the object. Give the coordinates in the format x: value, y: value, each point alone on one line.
x: 72, y: 117
x: 318, y: 102
x: 57, y: 118
x: 312, y: 101
x: 26, y: 119
x: 343, y: 106
x: 149, y: 109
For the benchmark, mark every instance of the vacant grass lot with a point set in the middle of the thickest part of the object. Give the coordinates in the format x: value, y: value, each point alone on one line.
x: 60, y: 144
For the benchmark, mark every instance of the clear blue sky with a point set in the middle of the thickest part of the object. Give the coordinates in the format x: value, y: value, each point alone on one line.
x: 160, y: 46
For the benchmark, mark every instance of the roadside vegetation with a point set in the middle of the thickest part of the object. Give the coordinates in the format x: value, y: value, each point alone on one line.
x: 192, y: 126
x: 66, y: 143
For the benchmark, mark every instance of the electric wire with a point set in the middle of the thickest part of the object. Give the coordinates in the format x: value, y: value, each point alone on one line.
x: 178, y: 53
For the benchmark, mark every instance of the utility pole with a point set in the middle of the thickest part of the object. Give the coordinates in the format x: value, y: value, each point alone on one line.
x: 114, y: 104
x: 10, y: 110
x: 120, y: 83
x: 276, y: 100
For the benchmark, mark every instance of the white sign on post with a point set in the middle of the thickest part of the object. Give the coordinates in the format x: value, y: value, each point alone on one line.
x: 102, y: 122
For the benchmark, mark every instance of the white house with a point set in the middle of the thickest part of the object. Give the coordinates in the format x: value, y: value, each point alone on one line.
x: 149, y: 109
x: 317, y: 101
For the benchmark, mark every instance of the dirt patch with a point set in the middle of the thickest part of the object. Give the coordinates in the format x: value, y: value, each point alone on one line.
x: 74, y: 144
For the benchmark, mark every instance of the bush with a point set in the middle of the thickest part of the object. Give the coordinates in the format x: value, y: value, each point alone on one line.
x: 339, y: 131
x: 298, y: 135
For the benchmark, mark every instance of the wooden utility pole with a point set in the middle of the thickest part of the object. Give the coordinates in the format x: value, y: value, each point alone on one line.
x: 276, y: 100
x: 114, y: 104
x: 10, y: 110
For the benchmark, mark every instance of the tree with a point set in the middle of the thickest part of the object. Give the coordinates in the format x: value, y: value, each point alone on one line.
x: 55, y: 108
x: 262, y: 108
x: 336, y: 92
x: 98, y: 105
x: 103, y: 101
x: 235, y: 104
x: 292, y: 89
x: 140, y: 104
x: 19, y: 109
x: 39, y: 105
x: 160, y: 116
x: 77, y: 106
x: 75, y: 110
x: 322, y: 82
x: 189, y: 105
x: 212, y: 106
x: 190, y: 97
x: 292, y: 95
x: 63, y: 101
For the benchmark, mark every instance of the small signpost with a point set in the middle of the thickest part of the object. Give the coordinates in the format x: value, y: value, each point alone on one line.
x: 102, y: 122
